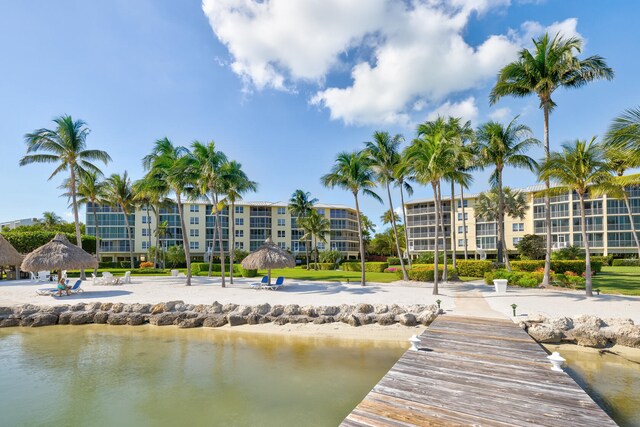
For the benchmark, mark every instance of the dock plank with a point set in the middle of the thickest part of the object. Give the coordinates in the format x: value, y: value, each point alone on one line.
x: 480, y: 372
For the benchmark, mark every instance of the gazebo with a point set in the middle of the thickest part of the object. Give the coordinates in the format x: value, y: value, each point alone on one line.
x: 268, y: 256
x: 59, y: 254
x: 9, y: 256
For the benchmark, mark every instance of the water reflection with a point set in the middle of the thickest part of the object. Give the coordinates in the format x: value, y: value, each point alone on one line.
x: 100, y: 375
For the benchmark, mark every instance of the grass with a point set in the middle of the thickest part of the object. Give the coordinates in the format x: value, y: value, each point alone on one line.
x: 618, y: 280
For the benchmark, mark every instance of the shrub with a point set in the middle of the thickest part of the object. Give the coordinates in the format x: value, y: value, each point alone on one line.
x: 375, y: 267
x: 195, y: 268
x: 577, y: 266
x: 108, y: 264
x: 249, y: 273
x: 605, y: 260
x: 516, y: 278
x: 427, y: 274
x: 568, y: 253
x: 326, y: 266
x: 472, y: 268
x: 532, y: 247
x: 28, y: 241
x: 330, y: 256
x: 626, y: 262
x: 351, y: 266
x: 146, y: 264
x: 158, y: 271
x: 394, y: 260
x: 393, y: 270
x: 427, y: 258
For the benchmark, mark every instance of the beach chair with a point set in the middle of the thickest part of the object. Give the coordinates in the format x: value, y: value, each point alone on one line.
x: 258, y: 285
x: 127, y: 277
x: 34, y: 278
x: 49, y: 291
x: 43, y: 276
x: 75, y: 289
x: 279, y: 283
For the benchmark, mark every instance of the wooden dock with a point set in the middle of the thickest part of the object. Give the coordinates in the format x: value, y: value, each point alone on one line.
x: 480, y: 372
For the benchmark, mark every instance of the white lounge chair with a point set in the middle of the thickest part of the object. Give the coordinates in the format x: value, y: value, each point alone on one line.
x: 43, y: 276
x: 34, y: 277
x: 127, y: 277
x: 279, y: 283
x: 261, y: 283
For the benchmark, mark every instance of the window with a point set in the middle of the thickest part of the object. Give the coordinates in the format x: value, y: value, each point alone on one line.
x: 194, y: 208
x: 239, y: 233
x: 281, y: 233
x: 194, y: 232
x: 466, y: 203
x: 145, y: 232
x: 239, y: 245
x: 145, y: 245
x: 239, y: 221
x: 282, y: 222
x: 321, y: 246
x: 239, y: 209
x: 320, y: 211
x: 194, y: 245
x: 282, y: 211
x: 282, y: 245
x: 146, y: 219
x: 518, y: 226
x: 516, y: 240
x: 461, y: 242
x: 194, y: 220
x: 463, y: 230
x: 466, y: 216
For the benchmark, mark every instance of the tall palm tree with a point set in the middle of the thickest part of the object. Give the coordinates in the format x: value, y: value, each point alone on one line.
x: 209, y: 161
x: 153, y: 190
x: 65, y: 146
x: 173, y: 165
x: 162, y: 231
x: 300, y: 205
x: 50, y: 220
x: 353, y: 172
x: 234, y: 183
x: 431, y: 156
x: 501, y: 146
x: 385, y: 157
x: 119, y: 193
x: 515, y: 206
x: 390, y: 216
x: 579, y: 167
x: 551, y: 65
x: 316, y: 227
x: 403, y: 177
x: 624, y: 132
x: 91, y: 190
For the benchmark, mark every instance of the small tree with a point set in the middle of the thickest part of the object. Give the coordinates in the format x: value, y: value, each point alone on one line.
x: 175, y: 256
x: 532, y: 246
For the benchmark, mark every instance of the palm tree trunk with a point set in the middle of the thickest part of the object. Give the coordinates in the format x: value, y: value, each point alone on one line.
x: 405, y: 276
x: 126, y: 223
x: 501, y: 243
x: 149, y: 225
x: 435, y: 246
x: 315, y: 256
x: 219, y: 227
x: 360, y: 238
x: 453, y: 225
x: 445, y: 270
x: 633, y: 225
x: 406, y: 227
x: 232, y: 238
x: 213, y: 245
x: 587, y: 255
x: 546, y: 278
x: 95, y: 221
x: 464, y: 223
x: 185, y: 239
x: 306, y: 251
x: 76, y: 217
x: 155, y: 253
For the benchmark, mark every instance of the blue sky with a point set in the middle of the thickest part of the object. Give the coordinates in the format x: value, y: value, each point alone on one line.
x: 281, y: 87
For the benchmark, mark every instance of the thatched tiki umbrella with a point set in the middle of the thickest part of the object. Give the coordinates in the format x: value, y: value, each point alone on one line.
x: 58, y: 254
x: 9, y: 256
x: 268, y: 256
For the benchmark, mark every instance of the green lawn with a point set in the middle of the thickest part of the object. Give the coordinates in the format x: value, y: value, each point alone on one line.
x: 618, y: 280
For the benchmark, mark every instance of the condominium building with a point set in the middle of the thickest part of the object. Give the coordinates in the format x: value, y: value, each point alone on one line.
x: 254, y: 223
x: 17, y: 223
x: 608, y: 226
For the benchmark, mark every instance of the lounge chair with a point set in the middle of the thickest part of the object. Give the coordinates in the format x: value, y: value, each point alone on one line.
x: 279, y: 283
x: 263, y: 282
x: 49, y: 291
x: 75, y: 289
x: 43, y: 276
x: 127, y: 277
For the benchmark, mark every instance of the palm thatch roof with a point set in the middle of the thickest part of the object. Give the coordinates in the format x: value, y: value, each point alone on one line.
x: 268, y: 256
x: 8, y: 254
x: 58, y: 254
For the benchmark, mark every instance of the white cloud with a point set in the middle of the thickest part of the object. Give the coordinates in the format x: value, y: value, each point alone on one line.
x: 402, y: 56
x: 499, y: 114
x: 531, y: 30
x: 465, y: 109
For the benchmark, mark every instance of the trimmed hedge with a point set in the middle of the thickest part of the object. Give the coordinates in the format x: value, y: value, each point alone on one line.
x: 203, y: 267
x: 394, y: 260
x: 325, y: 266
x: 605, y: 260
x: 473, y: 268
x: 148, y: 271
x: 560, y: 267
x: 631, y: 262
x: 28, y: 241
x: 517, y: 278
x: 249, y: 273
x: 370, y: 267
x: 426, y: 274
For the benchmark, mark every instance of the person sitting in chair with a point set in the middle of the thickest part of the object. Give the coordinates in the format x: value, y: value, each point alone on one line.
x: 62, y: 286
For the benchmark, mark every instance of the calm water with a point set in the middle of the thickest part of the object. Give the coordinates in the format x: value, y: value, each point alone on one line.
x: 98, y: 375
x: 610, y: 380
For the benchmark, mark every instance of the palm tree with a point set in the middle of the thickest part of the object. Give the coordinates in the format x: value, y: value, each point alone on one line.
x: 353, y: 172
x: 385, y: 157
x: 209, y: 161
x: 579, y: 167
x: 234, y: 183
x: 403, y: 177
x: 173, y: 165
x: 502, y: 146
x: 624, y: 132
x: 551, y: 65
x: 119, y: 193
x: 300, y: 205
x: 487, y: 207
x: 162, y: 232
x: 431, y: 156
x: 65, y: 146
x: 91, y: 190
x: 316, y: 227
x: 152, y: 189
x: 390, y: 216
x: 50, y: 220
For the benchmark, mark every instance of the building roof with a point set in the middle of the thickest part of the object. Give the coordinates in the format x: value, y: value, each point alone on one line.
x: 530, y: 189
x: 272, y: 204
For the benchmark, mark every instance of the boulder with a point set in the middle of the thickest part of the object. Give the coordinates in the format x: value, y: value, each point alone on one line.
x: 253, y: 318
x: 364, y: 308
x: 171, y: 305
x: 117, y: 319
x: 106, y: 306
x: 27, y: 310
x: 27, y: 321
x: 628, y: 335
x: 292, y: 309
x: 426, y: 317
x: 588, y: 321
x: 81, y: 317
x: 276, y: 310
x: 351, y: 320
x: 544, y: 333
x: 194, y: 322
x: 407, y: 319
x: 560, y: 323
x: 262, y: 309
x: 235, y: 320
x: 135, y: 319
x: 397, y: 310
x: 588, y: 336
x: 128, y: 308
x: 309, y: 311
x: 141, y: 308
x: 328, y: 310
x: 59, y: 309
x: 617, y: 322
x: 214, y: 321
x: 365, y: 319
x: 215, y: 308
x: 117, y: 307
x: 92, y: 306
x: 536, y: 318
x: 280, y: 320
x: 65, y: 317
x: 44, y: 319
x: 386, y: 319
x: 380, y: 308
x: 229, y: 308
x: 243, y: 310
x: 263, y: 320
x: 319, y: 320
x: 162, y: 319
x: 5, y: 311
x: 299, y: 319
x: 9, y: 323
x: 101, y: 317
x: 157, y: 308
